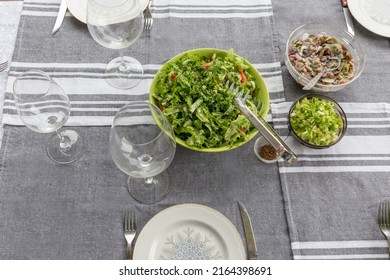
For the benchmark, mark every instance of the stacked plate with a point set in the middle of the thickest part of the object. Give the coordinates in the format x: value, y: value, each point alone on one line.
x: 78, y: 8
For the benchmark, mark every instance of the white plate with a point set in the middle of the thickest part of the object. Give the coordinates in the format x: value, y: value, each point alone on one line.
x: 189, y: 231
x: 78, y: 8
x: 372, y: 14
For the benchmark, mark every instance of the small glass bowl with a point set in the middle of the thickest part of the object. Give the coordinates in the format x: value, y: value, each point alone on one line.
x: 354, y: 47
x: 336, y: 107
x: 261, y: 141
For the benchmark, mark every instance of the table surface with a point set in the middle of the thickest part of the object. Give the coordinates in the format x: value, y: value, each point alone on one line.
x: 64, y: 206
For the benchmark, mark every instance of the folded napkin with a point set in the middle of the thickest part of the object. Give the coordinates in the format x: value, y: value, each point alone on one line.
x: 332, y: 195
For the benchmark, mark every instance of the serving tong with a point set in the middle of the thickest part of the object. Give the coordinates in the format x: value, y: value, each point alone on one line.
x: 264, y: 128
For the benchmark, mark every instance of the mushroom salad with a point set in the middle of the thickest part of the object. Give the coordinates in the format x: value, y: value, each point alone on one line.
x: 314, y: 53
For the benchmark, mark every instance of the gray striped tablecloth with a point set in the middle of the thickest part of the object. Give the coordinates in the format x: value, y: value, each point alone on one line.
x: 332, y: 196
x: 76, y: 211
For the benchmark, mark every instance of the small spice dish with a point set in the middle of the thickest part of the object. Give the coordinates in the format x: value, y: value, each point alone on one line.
x: 264, y: 151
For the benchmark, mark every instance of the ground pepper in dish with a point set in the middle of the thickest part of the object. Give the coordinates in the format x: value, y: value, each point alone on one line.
x: 310, y: 54
x: 267, y: 152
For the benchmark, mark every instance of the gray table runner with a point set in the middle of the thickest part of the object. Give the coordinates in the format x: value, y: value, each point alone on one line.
x: 332, y: 196
x: 77, y: 62
x: 76, y: 211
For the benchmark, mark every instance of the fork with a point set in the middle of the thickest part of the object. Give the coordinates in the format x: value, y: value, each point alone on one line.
x: 265, y: 129
x: 130, y: 232
x: 148, y: 17
x: 384, y: 220
x: 3, y: 66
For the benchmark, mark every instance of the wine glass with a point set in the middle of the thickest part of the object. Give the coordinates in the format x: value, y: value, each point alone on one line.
x: 44, y: 107
x: 116, y: 24
x: 142, y: 145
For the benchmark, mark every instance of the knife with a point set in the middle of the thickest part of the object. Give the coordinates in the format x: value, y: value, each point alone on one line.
x: 60, y: 16
x: 348, y: 17
x: 248, y: 231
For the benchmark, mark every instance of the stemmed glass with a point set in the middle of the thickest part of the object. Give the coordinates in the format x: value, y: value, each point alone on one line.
x: 142, y: 145
x: 44, y: 107
x: 116, y: 24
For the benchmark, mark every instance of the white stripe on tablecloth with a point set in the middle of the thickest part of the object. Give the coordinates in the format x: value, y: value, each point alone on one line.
x: 217, y: 3
x: 335, y: 169
x: 349, y: 108
x: 177, y: 2
x: 339, y: 257
x: 374, y: 111
x: 379, y: 119
x: 277, y: 100
x: 367, y: 126
x: 14, y: 64
x: 349, y: 145
x: 164, y: 7
x: 85, y: 86
x: 72, y: 121
x: 175, y: 9
x: 351, y: 158
x: 29, y: 65
x: 302, y: 245
x: 168, y: 15
x: 74, y: 109
x: 87, y: 102
x: 272, y: 75
x: 277, y: 126
x: 208, y: 7
x: 81, y: 80
x: 308, y: 247
x: 57, y: 2
x: 356, y: 156
x: 92, y: 75
x: 40, y: 5
x: 213, y: 15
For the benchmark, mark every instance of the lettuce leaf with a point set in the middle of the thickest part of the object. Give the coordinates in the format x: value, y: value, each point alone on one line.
x: 193, y: 95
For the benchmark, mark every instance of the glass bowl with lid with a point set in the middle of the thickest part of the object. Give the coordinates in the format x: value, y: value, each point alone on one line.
x: 305, y: 45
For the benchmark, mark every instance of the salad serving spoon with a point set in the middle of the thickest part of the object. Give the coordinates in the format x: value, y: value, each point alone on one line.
x: 314, y: 81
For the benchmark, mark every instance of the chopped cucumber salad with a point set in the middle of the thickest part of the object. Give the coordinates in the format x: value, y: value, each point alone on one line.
x: 192, y: 93
x: 315, y: 121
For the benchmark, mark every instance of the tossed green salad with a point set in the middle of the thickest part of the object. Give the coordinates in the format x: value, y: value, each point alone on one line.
x: 315, y: 121
x: 192, y: 94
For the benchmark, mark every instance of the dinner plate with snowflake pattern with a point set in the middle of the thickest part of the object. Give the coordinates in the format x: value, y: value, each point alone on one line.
x: 189, y: 232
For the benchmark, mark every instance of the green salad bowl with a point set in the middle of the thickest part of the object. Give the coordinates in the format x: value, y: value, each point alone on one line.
x: 260, y: 93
